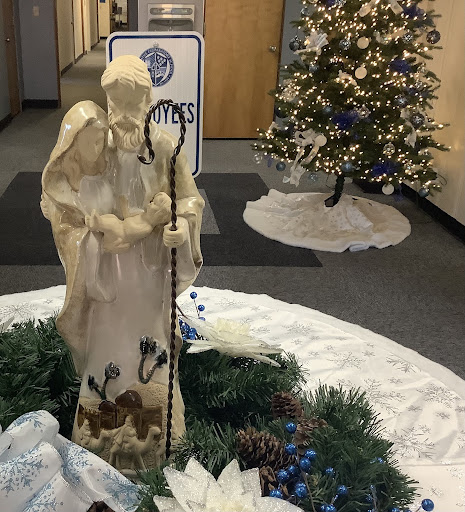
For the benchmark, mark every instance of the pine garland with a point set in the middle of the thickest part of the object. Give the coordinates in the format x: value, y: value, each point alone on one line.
x: 222, y: 397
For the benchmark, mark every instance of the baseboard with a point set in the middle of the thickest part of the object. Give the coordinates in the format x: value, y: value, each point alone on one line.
x: 40, y: 104
x: 67, y: 68
x: 5, y: 121
x: 78, y: 58
x: 451, y: 224
x: 94, y: 45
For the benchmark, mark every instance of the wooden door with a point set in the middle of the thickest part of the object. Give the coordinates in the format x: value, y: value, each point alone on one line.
x: 242, y: 54
x: 11, y: 59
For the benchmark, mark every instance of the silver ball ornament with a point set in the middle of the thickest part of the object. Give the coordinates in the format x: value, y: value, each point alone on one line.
x: 258, y: 158
x: 347, y: 167
x: 280, y: 166
x: 423, y: 192
x: 307, y: 11
x: 344, y: 44
x: 340, y: 3
x: 419, y: 85
x: 389, y: 149
x: 433, y: 37
x: 407, y: 37
x: 402, y: 101
x: 312, y: 68
x: 417, y: 119
x: 363, y: 112
x: 295, y: 43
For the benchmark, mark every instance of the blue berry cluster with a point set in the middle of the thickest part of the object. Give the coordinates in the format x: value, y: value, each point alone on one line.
x: 294, y: 477
x: 188, y: 332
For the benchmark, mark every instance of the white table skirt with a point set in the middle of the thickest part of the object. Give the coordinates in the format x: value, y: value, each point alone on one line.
x: 422, y: 404
x: 303, y: 220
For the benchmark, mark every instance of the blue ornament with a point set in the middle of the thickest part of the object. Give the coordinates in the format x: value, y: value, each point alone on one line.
x: 369, y: 498
x: 342, y: 490
x: 400, y: 66
x: 279, y: 113
x: 347, y: 167
x: 275, y: 493
x: 293, y: 470
x: 294, y: 44
x: 427, y: 505
x: 331, y: 508
x: 192, y: 330
x: 202, y: 318
x: 330, y: 471
x: 184, y: 337
x: 394, y: 509
x: 283, y: 476
x: 193, y: 295
x: 305, y: 465
x: 327, y: 110
x: 433, y: 37
x: 324, y: 507
x: 280, y: 166
x: 191, y: 336
x: 380, y: 460
x: 344, y: 120
x: 300, y: 490
x: 384, y: 167
x: 310, y: 454
x: 290, y: 449
x: 291, y: 427
x: 413, y: 11
x: 330, y: 3
x: 201, y: 307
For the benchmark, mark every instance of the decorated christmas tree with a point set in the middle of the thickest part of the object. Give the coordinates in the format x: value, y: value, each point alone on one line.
x: 356, y: 101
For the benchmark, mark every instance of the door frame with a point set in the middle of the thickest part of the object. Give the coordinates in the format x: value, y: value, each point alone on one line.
x: 11, y: 57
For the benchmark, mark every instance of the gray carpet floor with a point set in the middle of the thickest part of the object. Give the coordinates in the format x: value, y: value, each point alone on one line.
x: 412, y: 293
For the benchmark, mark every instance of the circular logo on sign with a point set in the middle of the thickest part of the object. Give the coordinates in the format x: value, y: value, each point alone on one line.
x: 160, y: 65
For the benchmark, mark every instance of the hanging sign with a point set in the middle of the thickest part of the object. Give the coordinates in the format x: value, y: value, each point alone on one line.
x: 175, y: 64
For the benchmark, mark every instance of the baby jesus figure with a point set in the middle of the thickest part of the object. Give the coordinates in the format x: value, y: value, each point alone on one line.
x: 119, y: 235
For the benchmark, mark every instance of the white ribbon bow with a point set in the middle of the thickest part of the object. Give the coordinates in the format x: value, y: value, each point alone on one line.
x: 411, y: 138
x: 346, y: 76
x: 366, y: 8
x: 304, y: 139
x: 314, y: 42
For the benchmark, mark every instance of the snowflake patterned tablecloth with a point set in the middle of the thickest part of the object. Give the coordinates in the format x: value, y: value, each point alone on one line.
x: 422, y: 403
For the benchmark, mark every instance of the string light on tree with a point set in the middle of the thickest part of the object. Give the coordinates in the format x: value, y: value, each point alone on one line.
x: 361, y: 81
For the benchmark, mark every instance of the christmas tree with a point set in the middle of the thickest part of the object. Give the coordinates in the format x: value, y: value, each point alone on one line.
x: 355, y: 102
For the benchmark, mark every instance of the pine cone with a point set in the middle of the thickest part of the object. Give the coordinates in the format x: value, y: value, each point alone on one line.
x: 261, y: 449
x: 285, y: 405
x: 268, y: 480
x: 100, y: 506
x: 305, y: 428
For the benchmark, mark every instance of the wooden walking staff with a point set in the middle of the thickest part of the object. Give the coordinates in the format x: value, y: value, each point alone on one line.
x: 177, y: 150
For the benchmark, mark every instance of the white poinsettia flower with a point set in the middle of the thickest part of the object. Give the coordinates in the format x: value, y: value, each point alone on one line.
x: 230, y: 338
x: 196, y: 490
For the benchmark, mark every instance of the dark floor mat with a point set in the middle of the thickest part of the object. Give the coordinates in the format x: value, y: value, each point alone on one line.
x: 26, y: 237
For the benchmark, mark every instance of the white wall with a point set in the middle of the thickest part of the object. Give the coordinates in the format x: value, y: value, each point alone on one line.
x: 77, y: 16
x: 104, y: 18
x: 65, y: 32
x: 448, y: 64
x: 4, y: 93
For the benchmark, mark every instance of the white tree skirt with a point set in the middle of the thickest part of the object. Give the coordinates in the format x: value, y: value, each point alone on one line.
x: 422, y: 404
x: 303, y: 220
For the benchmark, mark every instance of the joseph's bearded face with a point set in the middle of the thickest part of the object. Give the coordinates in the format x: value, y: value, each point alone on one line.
x: 127, y: 109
